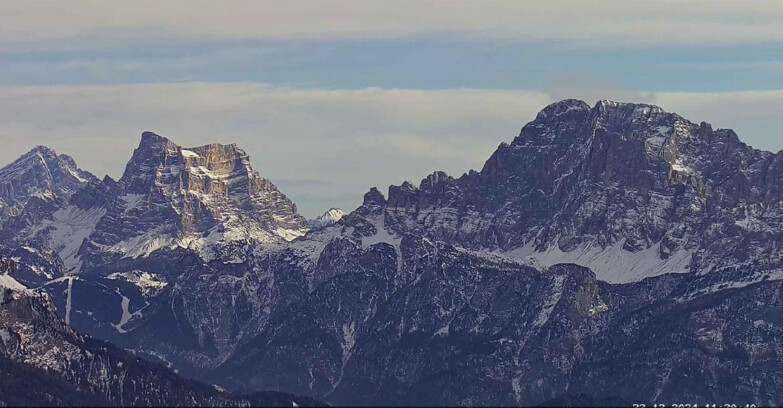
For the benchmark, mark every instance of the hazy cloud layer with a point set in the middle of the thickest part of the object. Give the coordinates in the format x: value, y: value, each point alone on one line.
x: 327, y: 147
x: 631, y: 22
x: 428, y: 62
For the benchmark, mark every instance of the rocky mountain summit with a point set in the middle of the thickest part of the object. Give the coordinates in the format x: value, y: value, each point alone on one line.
x: 613, y: 252
x: 628, y: 190
x: 39, y: 177
x: 172, y: 196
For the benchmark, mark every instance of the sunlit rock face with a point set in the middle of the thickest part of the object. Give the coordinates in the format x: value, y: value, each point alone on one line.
x: 171, y: 195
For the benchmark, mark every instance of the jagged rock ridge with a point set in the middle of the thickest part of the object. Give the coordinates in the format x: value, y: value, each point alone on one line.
x: 627, y: 189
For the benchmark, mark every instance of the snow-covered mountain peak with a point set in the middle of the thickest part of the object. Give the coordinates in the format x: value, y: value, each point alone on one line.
x: 169, y: 196
x: 330, y: 217
x: 41, y: 173
x: 58, y: 167
x: 334, y: 213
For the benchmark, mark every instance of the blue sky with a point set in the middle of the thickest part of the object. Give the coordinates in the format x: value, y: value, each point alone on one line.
x: 331, y: 98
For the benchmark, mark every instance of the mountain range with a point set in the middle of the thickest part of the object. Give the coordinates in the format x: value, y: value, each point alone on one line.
x: 45, y: 362
x: 616, y: 252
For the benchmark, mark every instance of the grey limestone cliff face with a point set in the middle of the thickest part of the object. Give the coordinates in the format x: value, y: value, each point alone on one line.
x: 204, y: 186
x: 174, y: 195
x: 455, y: 291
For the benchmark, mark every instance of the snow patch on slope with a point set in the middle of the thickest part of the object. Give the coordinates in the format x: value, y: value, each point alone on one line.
x: 67, y: 229
x: 132, y: 201
x: 190, y: 154
x: 142, y: 245
x: 549, y: 306
x: 349, y: 340
x: 289, y: 234
x: 126, y: 316
x: 312, y: 247
x: 150, y: 284
x: 762, y: 276
x: 68, y: 302
x: 381, y: 234
x: 8, y: 282
x: 612, y: 264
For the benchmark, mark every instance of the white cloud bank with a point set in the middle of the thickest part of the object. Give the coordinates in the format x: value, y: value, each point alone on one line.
x: 634, y: 22
x: 325, y: 147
